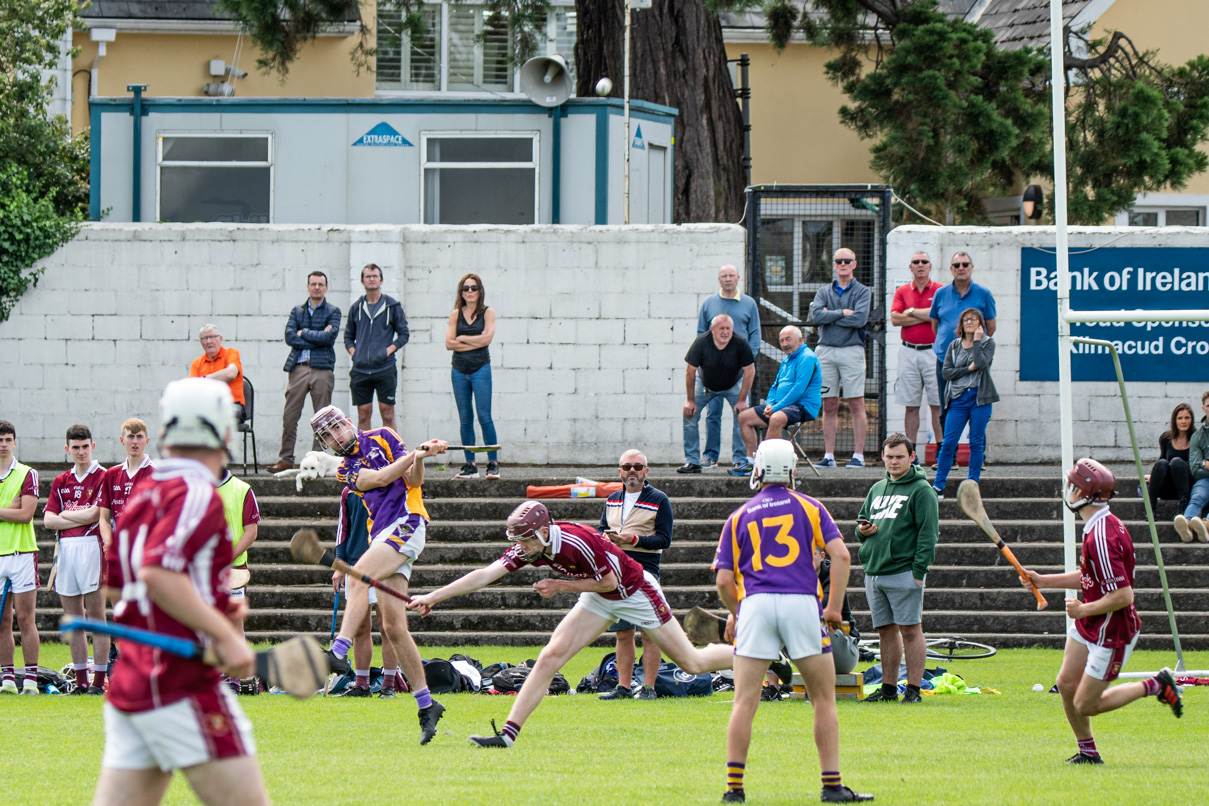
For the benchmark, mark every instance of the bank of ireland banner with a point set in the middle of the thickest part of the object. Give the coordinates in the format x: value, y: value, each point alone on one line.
x: 1117, y: 279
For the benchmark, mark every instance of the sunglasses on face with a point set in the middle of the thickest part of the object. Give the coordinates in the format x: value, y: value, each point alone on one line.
x: 635, y: 466
x: 962, y: 265
x: 843, y: 260
x: 920, y: 262
x: 470, y: 288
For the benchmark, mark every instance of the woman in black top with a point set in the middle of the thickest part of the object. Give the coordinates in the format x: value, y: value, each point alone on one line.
x: 471, y: 328
x: 1171, y: 478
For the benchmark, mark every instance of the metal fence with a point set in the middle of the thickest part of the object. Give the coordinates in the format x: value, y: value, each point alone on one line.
x: 792, y: 231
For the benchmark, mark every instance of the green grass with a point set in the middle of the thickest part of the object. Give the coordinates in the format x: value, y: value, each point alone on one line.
x: 1003, y: 749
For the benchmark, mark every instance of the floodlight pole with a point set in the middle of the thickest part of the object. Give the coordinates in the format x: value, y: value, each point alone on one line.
x: 1066, y: 418
x: 626, y: 220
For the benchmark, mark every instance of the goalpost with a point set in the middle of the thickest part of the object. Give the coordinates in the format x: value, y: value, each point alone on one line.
x: 1066, y: 316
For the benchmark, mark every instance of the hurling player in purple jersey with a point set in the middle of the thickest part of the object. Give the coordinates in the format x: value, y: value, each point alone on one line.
x: 766, y: 579
x: 611, y: 586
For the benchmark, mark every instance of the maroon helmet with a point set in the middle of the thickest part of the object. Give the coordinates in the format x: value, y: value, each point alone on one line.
x: 527, y: 519
x: 1095, y: 483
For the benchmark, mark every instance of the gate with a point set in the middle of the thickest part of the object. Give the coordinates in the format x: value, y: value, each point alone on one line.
x: 792, y: 231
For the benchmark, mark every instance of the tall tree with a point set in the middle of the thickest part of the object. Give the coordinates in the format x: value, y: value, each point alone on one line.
x: 677, y: 59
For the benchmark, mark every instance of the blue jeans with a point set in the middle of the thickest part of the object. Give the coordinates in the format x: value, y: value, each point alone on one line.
x: 710, y: 404
x: 963, y: 409
x: 476, y: 385
x: 1197, y: 499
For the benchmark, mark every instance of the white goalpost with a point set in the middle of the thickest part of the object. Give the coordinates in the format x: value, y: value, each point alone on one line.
x: 1066, y: 316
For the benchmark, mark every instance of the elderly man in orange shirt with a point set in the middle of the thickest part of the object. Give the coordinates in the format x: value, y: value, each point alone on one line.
x: 221, y: 364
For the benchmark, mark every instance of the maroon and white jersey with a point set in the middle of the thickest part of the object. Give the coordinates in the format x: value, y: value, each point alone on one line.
x: 69, y: 492
x: 119, y: 484
x: 581, y: 552
x: 1105, y: 565
x: 175, y: 521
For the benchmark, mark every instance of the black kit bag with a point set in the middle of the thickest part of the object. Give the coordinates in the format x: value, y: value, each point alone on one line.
x: 443, y: 678
x: 511, y: 680
x: 602, y: 678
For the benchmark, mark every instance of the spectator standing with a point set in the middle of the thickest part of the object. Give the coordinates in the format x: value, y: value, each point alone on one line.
x: 1171, y: 477
x: 916, y: 367
x: 795, y: 396
x: 310, y: 331
x: 376, y: 330
x: 947, y: 305
x: 1191, y: 522
x: 898, y: 527
x: 18, y: 563
x: 720, y: 365
x: 470, y: 331
x: 968, y: 396
x: 744, y: 314
x: 72, y: 512
x: 221, y: 364
x: 638, y: 519
x: 841, y: 310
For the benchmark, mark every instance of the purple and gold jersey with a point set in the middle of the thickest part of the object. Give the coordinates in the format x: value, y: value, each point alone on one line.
x: 770, y: 541
x: 390, y: 505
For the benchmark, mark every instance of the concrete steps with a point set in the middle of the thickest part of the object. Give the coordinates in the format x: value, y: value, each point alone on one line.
x: 972, y: 590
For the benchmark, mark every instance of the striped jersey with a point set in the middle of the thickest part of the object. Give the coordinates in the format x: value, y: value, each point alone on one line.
x: 769, y: 542
x: 69, y: 492
x: 388, y: 506
x: 580, y: 552
x: 1106, y: 564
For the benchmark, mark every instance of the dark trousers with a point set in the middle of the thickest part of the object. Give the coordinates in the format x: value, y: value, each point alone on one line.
x: 943, y: 384
x: 1170, y: 480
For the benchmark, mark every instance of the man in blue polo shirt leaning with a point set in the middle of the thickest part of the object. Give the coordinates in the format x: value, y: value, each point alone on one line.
x: 947, y: 305
x: 795, y: 396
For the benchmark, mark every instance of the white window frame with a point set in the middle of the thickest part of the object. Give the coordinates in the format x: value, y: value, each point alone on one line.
x: 536, y: 164
x: 1162, y: 202
x: 226, y: 135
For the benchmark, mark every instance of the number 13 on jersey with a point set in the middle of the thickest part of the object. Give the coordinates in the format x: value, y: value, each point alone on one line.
x: 783, y: 524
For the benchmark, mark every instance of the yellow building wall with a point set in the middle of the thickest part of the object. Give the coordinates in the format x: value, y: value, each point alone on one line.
x: 178, y: 65
x: 796, y: 134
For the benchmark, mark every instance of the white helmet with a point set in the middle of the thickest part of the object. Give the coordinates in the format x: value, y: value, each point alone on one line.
x: 843, y: 651
x: 197, y: 413
x: 776, y: 463
x: 328, y: 424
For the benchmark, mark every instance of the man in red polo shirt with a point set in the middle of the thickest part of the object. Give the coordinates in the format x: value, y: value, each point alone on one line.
x: 916, y: 366
x: 221, y: 364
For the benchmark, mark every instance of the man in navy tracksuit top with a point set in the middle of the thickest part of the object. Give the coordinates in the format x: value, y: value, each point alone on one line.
x: 639, y: 520
x: 376, y: 331
x: 352, y: 539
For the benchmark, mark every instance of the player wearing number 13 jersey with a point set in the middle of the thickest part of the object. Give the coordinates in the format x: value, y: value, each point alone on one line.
x: 766, y: 577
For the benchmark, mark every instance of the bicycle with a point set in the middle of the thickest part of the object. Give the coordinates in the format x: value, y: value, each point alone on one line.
x: 940, y: 647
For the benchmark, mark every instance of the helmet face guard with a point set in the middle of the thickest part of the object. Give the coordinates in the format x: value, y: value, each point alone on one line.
x: 526, y: 523
x: 329, y: 425
x: 1094, y: 483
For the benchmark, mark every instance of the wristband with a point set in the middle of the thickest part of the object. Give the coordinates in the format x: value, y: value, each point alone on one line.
x: 633, y: 539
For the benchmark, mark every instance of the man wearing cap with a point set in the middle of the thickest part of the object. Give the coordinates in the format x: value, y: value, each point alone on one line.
x: 611, y: 586
x: 380, y: 469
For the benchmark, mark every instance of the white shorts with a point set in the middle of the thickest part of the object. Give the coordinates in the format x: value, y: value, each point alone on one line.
x: 1103, y: 663
x: 373, y: 594
x: 79, y: 566
x: 843, y: 370
x: 407, y: 537
x: 22, y: 569
x: 208, y: 726
x: 646, y: 608
x: 238, y: 593
x: 769, y: 621
x: 916, y: 378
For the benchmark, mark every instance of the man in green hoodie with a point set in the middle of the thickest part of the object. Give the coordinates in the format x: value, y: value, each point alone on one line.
x: 898, y: 526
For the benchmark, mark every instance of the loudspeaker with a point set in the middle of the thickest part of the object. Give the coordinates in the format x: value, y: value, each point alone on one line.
x: 546, y: 81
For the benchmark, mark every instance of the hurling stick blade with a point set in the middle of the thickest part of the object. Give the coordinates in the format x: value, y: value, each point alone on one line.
x: 473, y: 448
x: 306, y: 548
x: 969, y: 498
x: 298, y: 667
x: 703, y: 627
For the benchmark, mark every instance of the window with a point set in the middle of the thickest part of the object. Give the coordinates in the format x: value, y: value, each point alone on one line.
x: 1165, y: 218
x: 461, y: 50
x: 206, y: 176
x: 480, y: 177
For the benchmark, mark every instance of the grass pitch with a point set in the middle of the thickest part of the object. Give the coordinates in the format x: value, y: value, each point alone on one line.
x: 575, y: 749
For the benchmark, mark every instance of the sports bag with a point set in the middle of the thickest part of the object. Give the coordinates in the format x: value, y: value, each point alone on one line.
x: 602, y: 678
x: 511, y: 680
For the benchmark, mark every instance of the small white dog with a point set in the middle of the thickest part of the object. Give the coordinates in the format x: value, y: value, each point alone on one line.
x: 315, y: 465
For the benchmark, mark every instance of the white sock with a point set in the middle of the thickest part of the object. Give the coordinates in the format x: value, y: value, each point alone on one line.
x: 830, y: 456
x: 860, y: 456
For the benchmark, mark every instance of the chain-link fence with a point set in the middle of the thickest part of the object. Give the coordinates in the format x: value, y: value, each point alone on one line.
x: 792, y: 232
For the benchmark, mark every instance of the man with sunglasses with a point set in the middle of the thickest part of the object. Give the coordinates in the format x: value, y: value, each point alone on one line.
x: 947, y: 305
x: 916, y: 375
x: 638, y: 519
x: 840, y: 310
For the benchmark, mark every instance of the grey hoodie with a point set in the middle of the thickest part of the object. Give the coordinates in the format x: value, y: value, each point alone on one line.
x: 835, y: 329
x: 372, y: 334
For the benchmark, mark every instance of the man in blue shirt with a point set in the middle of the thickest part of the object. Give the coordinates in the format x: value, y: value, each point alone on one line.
x: 947, y: 306
x: 745, y: 316
x: 795, y: 397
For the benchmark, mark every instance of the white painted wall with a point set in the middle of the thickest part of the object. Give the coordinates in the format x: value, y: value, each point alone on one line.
x: 587, y: 360
x: 1024, y: 424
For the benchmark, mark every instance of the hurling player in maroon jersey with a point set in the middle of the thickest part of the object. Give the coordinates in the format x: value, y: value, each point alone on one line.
x: 167, y: 572
x: 1106, y: 622
x: 610, y: 585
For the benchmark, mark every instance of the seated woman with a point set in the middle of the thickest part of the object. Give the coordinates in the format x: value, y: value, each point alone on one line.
x: 1171, y: 478
x: 968, y: 396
